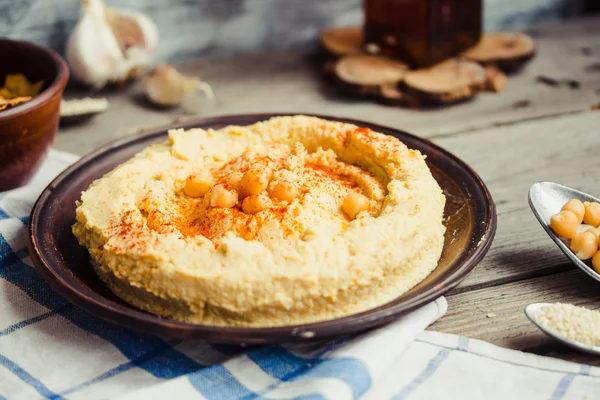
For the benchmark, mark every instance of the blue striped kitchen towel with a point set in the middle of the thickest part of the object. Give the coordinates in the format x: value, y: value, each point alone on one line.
x: 49, y: 349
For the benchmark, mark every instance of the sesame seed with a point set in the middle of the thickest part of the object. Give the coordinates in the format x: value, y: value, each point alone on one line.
x: 572, y: 322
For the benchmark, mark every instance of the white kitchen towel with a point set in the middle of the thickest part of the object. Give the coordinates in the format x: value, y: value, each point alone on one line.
x: 50, y: 349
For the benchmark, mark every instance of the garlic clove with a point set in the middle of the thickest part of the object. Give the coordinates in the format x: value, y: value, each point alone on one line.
x: 110, y: 44
x: 165, y: 86
x: 127, y: 32
x: 137, y: 35
x: 133, y: 28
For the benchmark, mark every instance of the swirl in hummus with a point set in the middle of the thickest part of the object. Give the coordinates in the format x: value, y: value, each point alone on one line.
x: 340, y: 219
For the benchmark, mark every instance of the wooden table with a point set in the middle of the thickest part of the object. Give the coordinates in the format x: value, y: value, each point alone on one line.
x: 533, y: 131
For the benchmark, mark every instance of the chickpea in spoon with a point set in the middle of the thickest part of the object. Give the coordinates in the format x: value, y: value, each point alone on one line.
x: 584, y: 239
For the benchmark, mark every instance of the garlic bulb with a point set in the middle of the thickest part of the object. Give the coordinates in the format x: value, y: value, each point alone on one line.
x: 110, y: 44
x: 165, y: 86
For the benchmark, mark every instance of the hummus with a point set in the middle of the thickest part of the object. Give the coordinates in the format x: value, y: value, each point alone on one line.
x: 312, y: 254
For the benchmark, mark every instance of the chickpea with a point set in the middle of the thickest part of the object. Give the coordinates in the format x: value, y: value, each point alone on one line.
x: 223, y: 196
x: 596, y: 262
x: 255, y: 180
x: 196, y: 186
x: 234, y: 180
x: 286, y: 191
x: 564, y: 224
x: 584, y: 245
x: 256, y: 203
x: 592, y: 213
x: 596, y: 232
x: 575, y: 206
x: 354, y: 203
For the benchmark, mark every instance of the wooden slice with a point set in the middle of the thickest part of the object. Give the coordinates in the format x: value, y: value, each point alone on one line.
x: 342, y: 41
x: 506, y: 50
x: 496, y: 79
x: 393, y: 95
x: 328, y: 68
x: 365, y: 74
x: 448, y: 82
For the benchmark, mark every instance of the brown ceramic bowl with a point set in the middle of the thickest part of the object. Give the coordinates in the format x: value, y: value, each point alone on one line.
x: 470, y: 219
x: 28, y: 130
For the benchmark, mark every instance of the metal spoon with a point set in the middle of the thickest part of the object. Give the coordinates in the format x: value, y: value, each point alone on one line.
x: 531, y: 311
x: 545, y: 200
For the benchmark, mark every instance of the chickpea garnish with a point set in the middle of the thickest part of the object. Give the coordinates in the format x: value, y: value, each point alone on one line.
x: 354, y: 203
x: 286, y: 191
x: 255, y: 180
x: 564, y: 224
x: 592, y: 213
x: 575, y: 206
x: 234, y: 180
x: 196, y: 186
x: 223, y: 196
x: 596, y: 262
x: 256, y: 203
x: 584, y: 245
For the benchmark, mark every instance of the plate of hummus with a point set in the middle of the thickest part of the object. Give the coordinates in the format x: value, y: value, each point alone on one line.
x: 261, y: 228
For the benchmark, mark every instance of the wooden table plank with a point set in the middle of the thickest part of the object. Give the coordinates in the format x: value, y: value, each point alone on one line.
x: 289, y: 82
x: 495, y: 314
x: 510, y: 159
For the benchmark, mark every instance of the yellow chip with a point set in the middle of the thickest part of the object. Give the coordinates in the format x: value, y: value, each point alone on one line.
x: 19, y: 86
x: 15, y: 100
x: 5, y: 94
x: 19, y: 100
x: 17, y: 89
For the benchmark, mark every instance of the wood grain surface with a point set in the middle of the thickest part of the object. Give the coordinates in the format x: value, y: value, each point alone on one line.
x: 496, y: 315
x: 533, y: 131
x: 512, y: 158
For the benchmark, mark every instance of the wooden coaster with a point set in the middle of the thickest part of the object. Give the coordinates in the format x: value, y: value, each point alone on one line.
x: 343, y: 41
x: 448, y: 82
x: 508, y: 51
x: 366, y: 74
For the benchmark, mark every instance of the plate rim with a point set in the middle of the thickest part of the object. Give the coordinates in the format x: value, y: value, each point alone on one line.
x: 120, y: 315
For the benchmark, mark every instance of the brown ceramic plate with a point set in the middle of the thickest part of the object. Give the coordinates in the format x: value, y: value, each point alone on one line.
x: 470, y: 220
